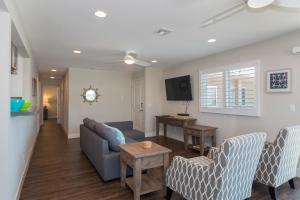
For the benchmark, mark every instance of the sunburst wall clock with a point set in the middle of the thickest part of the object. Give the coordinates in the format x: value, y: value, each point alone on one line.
x: 90, y: 95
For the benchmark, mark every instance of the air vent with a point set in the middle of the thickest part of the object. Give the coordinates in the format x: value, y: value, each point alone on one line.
x: 163, y: 31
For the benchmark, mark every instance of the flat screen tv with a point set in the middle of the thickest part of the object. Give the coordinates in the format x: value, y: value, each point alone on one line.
x: 179, y: 89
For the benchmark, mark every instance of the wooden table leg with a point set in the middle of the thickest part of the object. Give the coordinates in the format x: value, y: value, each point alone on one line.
x: 165, y: 167
x: 214, y: 140
x: 165, y: 130
x: 186, y: 141
x: 201, y: 143
x: 123, y: 167
x: 137, y: 176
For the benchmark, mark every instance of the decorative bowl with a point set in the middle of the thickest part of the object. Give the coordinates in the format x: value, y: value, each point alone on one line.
x: 147, y: 144
x: 16, y: 104
x: 25, y: 106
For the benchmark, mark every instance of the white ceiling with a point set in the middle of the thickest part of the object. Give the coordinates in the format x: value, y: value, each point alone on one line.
x: 56, y: 27
x: 2, y: 6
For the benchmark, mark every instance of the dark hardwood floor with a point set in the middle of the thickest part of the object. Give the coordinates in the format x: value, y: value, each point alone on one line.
x: 59, y: 171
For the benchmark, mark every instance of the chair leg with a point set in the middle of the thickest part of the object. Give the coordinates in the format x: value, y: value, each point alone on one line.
x: 273, y: 193
x: 292, y: 184
x: 169, y: 193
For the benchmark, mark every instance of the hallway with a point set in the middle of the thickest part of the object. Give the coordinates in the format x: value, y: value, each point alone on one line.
x: 60, y: 171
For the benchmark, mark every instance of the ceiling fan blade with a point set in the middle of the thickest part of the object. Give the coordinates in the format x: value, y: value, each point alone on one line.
x: 288, y: 3
x: 224, y: 14
x: 259, y: 3
x: 142, y: 63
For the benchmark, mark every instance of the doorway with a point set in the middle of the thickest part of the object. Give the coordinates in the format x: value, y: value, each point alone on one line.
x: 138, y: 104
x: 51, y: 102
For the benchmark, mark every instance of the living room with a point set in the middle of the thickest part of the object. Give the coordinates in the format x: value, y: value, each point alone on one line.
x: 164, y: 85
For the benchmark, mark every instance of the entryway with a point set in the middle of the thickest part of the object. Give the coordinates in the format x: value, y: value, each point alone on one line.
x: 51, y: 103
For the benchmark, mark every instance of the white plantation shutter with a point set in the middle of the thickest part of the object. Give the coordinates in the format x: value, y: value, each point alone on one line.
x: 212, y: 89
x: 231, y: 90
x: 241, y: 88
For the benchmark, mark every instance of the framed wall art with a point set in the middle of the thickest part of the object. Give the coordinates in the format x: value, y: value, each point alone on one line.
x: 279, y: 80
x: 14, y: 59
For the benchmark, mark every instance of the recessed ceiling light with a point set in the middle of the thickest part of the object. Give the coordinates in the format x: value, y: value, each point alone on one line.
x: 52, y: 77
x: 211, y: 40
x: 154, y: 61
x: 77, y: 51
x: 100, y: 14
x: 53, y: 70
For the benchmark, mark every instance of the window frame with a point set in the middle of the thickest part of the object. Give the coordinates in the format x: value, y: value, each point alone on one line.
x: 255, y: 112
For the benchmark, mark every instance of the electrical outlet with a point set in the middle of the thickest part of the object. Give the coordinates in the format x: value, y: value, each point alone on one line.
x: 292, y: 107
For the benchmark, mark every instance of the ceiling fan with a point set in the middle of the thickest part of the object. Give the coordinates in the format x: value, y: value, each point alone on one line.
x: 131, y: 58
x: 252, y: 4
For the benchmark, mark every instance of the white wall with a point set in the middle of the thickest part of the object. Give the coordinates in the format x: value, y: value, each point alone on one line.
x: 114, y: 103
x: 274, y: 54
x: 18, y: 134
x: 5, y: 29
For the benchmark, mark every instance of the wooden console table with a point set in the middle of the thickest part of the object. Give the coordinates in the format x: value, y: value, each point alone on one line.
x: 199, y: 132
x: 172, y: 121
x: 139, y: 159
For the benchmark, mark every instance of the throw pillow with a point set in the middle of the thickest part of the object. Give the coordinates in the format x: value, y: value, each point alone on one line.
x: 90, y: 123
x: 113, y: 135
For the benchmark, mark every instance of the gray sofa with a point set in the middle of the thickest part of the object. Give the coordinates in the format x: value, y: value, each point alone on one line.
x: 96, y: 148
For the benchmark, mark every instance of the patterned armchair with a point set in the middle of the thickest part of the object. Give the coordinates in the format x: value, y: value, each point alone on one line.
x: 227, y: 174
x: 278, y: 163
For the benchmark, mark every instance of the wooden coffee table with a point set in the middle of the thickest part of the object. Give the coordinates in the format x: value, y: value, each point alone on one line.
x: 139, y: 159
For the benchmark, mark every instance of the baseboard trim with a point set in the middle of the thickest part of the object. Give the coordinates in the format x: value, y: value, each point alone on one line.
x: 21, y: 183
x: 298, y: 172
x: 73, y: 135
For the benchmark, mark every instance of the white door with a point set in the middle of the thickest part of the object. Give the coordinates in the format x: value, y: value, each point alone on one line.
x: 138, y: 104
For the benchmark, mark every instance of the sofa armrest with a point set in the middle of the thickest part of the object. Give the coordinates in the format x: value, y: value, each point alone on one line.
x: 91, y: 143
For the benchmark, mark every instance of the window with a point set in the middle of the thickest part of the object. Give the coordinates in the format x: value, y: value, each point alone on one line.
x: 231, y: 90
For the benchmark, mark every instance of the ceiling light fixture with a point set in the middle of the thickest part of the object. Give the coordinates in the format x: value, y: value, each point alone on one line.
x: 53, y: 70
x: 77, y: 51
x: 259, y: 3
x: 52, y: 77
x: 212, y: 40
x: 129, y: 60
x: 154, y: 61
x: 100, y: 14
x: 163, y: 31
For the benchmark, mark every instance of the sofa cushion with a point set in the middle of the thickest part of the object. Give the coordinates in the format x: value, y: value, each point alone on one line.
x: 99, y: 129
x: 90, y: 123
x: 113, y: 135
x: 126, y: 125
x: 134, y: 134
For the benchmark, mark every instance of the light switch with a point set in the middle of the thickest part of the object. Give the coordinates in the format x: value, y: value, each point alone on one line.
x: 292, y: 107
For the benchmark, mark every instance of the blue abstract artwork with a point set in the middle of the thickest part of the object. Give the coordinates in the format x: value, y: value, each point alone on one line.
x: 279, y: 80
